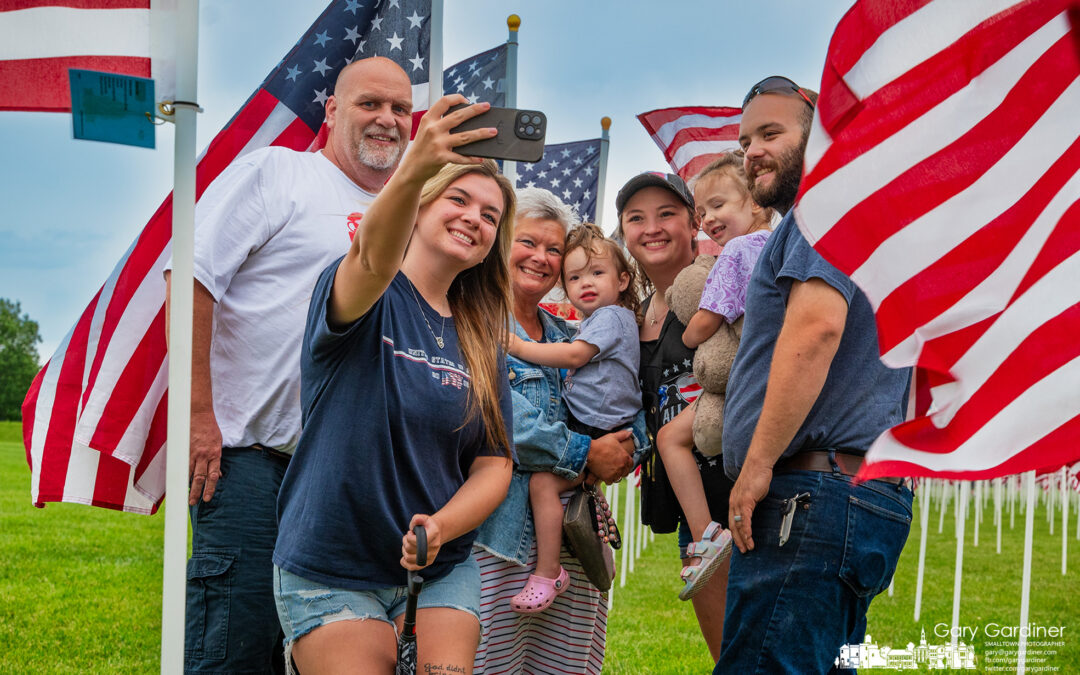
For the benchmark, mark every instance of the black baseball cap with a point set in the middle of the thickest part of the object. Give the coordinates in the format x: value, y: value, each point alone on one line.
x: 668, y: 181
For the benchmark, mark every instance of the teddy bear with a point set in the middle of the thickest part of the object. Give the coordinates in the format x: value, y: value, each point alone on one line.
x: 712, y: 362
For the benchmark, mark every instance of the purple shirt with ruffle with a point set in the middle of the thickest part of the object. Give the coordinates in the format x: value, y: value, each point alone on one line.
x: 725, y: 287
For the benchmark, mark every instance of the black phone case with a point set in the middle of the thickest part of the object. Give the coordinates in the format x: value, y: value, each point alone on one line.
x: 519, y: 139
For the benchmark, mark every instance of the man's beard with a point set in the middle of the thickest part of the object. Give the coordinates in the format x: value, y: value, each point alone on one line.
x: 780, y: 195
x: 377, y: 157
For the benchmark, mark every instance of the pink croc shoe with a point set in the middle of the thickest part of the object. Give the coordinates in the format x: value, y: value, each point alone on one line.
x: 539, y: 593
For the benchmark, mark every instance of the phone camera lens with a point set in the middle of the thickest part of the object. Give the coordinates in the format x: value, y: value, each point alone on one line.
x: 530, y: 130
x: 524, y: 119
x: 536, y: 119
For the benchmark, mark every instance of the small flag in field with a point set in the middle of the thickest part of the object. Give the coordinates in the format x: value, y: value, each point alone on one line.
x: 693, y: 136
x: 943, y: 175
x: 94, y: 418
x: 480, y: 78
x: 41, y: 39
x: 571, y: 171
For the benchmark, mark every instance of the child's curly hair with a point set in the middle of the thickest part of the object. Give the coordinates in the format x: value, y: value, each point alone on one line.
x: 591, y: 239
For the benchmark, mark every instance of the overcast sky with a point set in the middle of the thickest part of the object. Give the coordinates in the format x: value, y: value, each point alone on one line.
x: 71, y: 208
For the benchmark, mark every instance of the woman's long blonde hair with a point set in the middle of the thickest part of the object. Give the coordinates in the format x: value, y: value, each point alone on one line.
x: 480, y: 304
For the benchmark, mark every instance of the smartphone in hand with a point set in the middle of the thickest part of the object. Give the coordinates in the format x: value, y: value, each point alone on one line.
x: 520, y: 138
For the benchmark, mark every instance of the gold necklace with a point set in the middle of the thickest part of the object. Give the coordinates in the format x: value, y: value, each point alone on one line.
x: 442, y: 329
x: 651, y: 314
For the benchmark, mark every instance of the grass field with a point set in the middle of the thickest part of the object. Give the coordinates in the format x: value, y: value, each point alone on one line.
x: 80, y: 591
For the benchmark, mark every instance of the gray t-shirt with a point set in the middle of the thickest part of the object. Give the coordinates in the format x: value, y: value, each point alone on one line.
x: 861, y: 397
x: 605, y: 393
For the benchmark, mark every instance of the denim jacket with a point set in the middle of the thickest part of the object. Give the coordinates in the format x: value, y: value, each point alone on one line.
x: 542, y: 443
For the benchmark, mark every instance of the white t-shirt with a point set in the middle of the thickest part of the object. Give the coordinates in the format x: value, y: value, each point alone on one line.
x: 264, y: 231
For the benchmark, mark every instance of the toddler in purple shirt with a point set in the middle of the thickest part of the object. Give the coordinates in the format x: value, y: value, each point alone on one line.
x: 731, y: 218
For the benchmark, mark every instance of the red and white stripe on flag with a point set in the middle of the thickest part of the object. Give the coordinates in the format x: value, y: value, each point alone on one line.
x: 94, y: 419
x: 41, y: 39
x: 943, y: 175
x: 691, y: 137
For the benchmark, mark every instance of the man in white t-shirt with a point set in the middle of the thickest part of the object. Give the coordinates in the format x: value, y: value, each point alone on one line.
x: 264, y: 230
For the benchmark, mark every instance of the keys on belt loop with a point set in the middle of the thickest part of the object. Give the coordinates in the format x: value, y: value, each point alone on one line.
x: 787, y: 514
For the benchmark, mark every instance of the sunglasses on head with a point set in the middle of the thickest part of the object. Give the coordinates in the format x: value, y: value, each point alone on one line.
x: 776, y: 84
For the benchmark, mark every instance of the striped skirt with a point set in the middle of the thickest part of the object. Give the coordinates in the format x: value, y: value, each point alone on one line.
x: 566, y: 638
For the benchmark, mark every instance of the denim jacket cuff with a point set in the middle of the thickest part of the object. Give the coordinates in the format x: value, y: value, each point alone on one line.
x: 572, y: 461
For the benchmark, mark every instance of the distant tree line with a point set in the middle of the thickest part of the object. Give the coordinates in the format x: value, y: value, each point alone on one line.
x: 18, y: 357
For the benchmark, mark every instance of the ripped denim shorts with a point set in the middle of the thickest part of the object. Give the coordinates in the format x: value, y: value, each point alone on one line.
x: 304, y: 605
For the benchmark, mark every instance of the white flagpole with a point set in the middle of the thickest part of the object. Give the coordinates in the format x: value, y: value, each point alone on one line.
x: 945, y: 492
x: 629, y: 545
x: 513, y: 22
x: 1050, y: 501
x: 1013, y: 487
x: 601, y: 180
x: 624, y: 557
x: 1064, y: 519
x: 958, y: 514
x: 1025, y: 595
x: 998, y: 487
x: 978, y: 509
x: 610, y: 494
x: 174, y: 576
x: 435, y: 56
x: 626, y: 563
x: 961, y: 507
x: 924, y: 522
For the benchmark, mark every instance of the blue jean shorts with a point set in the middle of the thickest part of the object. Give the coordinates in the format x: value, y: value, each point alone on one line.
x: 304, y: 605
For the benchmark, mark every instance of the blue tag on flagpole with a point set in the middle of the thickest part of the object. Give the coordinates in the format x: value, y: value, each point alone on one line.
x: 112, y: 108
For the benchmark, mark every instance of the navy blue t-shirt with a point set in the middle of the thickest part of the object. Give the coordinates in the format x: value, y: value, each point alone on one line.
x: 382, y: 440
x: 861, y: 397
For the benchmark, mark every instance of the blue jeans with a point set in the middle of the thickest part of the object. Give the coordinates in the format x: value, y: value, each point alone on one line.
x: 791, y: 608
x: 232, y: 623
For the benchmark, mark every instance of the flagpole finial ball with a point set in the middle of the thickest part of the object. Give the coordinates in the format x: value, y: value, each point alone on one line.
x: 513, y: 22
x: 605, y: 123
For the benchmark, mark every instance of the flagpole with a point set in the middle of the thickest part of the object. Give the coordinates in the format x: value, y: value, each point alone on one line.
x: 999, y: 487
x: 924, y: 522
x: 1064, y: 519
x: 605, y: 141
x: 978, y: 510
x: 435, y: 56
x: 174, y: 577
x: 1025, y: 593
x: 513, y: 22
x: 961, y: 506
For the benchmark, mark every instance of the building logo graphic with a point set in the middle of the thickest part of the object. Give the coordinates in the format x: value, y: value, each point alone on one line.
x: 914, y: 657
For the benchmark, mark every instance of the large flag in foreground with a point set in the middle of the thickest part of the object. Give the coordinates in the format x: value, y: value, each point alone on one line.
x: 41, y: 39
x: 943, y: 175
x: 691, y: 137
x: 94, y: 418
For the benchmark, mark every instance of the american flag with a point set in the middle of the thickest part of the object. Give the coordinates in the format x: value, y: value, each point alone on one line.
x: 942, y: 175
x: 571, y: 171
x: 94, y: 418
x: 41, y: 39
x: 481, y: 78
x: 693, y: 136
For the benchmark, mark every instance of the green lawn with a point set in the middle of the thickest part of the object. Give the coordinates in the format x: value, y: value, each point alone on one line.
x: 80, y: 590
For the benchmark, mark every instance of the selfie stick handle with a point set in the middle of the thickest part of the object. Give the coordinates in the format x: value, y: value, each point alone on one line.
x: 513, y: 22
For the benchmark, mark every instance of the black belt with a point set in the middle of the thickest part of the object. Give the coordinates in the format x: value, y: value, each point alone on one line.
x: 822, y: 461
